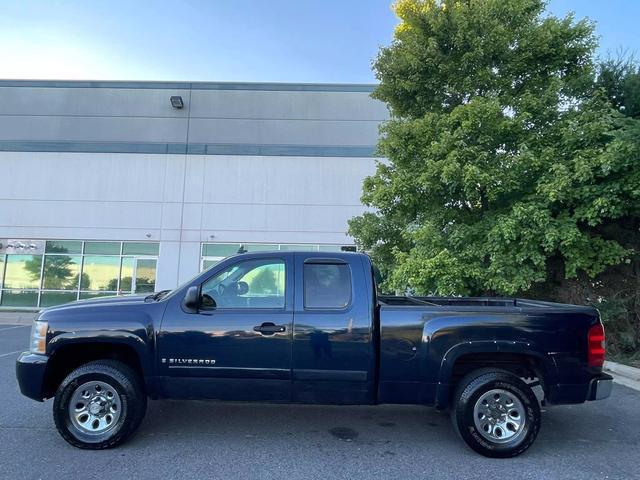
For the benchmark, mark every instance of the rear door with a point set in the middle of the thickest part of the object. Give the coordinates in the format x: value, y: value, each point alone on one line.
x: 333, y: 357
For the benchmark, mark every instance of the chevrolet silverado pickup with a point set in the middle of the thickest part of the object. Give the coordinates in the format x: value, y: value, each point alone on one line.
x: 310, y: 327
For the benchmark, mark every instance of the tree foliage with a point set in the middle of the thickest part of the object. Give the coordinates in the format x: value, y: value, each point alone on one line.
x: 619, y: 79
x: 508, y: 167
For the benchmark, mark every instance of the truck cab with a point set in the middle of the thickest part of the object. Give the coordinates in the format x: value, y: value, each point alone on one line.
x: 287, y: 327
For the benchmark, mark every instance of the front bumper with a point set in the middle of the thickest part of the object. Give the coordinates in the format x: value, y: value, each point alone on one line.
x: 600, y: 387
x: 30, y: 371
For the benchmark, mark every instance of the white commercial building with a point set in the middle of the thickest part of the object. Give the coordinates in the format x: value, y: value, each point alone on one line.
x: 120, y: 187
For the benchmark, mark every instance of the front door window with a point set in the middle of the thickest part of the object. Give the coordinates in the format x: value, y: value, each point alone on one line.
x: 249, y: 284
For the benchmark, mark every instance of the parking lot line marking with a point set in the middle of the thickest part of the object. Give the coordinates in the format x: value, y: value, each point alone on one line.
x: 10, y: 353
x: 15, y: 326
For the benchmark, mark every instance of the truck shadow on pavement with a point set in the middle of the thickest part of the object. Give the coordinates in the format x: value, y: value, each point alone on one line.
x: 394, y: 427
x: 305, y: 423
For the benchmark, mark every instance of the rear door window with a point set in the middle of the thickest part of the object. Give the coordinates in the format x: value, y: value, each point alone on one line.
x: 327, y: 285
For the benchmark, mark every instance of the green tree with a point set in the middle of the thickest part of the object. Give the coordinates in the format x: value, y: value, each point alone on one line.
x: 507, y: 169
x: 619, y: 78
x: 619, y: 287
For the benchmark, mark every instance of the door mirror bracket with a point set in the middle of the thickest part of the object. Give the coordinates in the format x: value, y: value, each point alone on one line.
x: 191, y: 300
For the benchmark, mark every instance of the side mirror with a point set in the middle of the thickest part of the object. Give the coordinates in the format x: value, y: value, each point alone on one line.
x: 191, y: 301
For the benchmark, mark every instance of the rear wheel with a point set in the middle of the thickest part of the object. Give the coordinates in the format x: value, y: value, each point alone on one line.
x: 99, y: 405
x: 496, y: 413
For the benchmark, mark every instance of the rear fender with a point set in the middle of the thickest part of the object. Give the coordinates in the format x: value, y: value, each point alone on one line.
x: 485, y: 346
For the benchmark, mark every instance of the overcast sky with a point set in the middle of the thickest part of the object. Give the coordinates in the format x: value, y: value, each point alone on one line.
x: 228, y: 40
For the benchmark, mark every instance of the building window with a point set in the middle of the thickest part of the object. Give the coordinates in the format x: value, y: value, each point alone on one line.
x: 69, y: 270
x: 212, y: 253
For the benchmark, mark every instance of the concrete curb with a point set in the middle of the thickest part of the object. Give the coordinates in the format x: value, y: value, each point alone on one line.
x: 624, y: 374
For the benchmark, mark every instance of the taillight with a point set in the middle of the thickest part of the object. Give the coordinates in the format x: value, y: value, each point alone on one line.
x: 596, y: 345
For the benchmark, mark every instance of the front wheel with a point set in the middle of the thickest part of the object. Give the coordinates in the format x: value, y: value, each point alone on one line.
x: 99, y: 405
x: 496, y: 413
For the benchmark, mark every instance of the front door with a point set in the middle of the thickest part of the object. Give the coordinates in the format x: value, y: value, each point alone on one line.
x: 238, y: 345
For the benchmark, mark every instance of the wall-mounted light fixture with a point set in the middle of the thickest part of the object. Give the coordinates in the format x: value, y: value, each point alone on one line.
x: 176, y: 101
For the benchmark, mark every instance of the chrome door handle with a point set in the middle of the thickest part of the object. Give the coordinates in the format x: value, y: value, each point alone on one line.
x: 269, y: 328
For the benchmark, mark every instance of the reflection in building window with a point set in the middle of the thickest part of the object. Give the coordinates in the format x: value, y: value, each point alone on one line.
x: 22, y: 271
x: 61, y: 272
x: 145, y: 275
x: 100, y: 273
x: 126, y: 275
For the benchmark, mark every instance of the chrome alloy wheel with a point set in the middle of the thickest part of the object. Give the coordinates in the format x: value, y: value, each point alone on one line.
x: 499, y: 416
x: 94, y: 408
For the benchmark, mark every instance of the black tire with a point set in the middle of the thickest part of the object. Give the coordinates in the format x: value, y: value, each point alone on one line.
x: 132, y: 404
x: 471, y: 389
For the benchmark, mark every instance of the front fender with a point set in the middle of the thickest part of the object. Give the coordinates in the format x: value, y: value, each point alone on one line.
x: 84, y: 337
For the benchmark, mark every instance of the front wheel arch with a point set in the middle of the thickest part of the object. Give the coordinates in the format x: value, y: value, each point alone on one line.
x: 67, y: 358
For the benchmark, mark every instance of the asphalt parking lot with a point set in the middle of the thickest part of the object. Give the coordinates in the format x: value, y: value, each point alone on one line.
x: 221, y: 440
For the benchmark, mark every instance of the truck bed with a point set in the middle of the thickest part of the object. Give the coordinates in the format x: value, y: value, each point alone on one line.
x: 422, y: 339
x: 401, y: 300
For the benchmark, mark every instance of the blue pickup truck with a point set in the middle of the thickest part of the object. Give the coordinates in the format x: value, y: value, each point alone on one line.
x: 309, y: 327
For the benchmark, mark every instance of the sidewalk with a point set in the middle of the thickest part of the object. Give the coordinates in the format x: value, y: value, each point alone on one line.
x: 17, y: 317
x: 623, y: 374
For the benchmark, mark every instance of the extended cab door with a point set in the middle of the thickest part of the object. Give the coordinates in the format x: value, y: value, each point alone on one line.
x: 333, y: 343
x: 237, y: 346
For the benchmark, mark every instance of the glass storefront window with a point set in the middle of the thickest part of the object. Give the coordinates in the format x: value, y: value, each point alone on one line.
x: 145, y: 275
x: 100, y: 273
x: 19, y: 298
x: 49, y: 299
x: 126, y: 275
x: 140, y: 248
x: 22, y: 271
x: 138, y: 275
x: 61, y: 272
x: 208, y: 263
x: 302, y: 248
x: 259, y: 247
x: 63, y: 246
x: 102, y: 248
x: 220, y: 249
x: 75, y: 269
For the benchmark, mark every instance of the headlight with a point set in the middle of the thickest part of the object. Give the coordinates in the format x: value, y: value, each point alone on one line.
x: 39, y: 337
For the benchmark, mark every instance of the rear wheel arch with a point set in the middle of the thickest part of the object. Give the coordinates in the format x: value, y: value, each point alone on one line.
x: 507, y: 356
